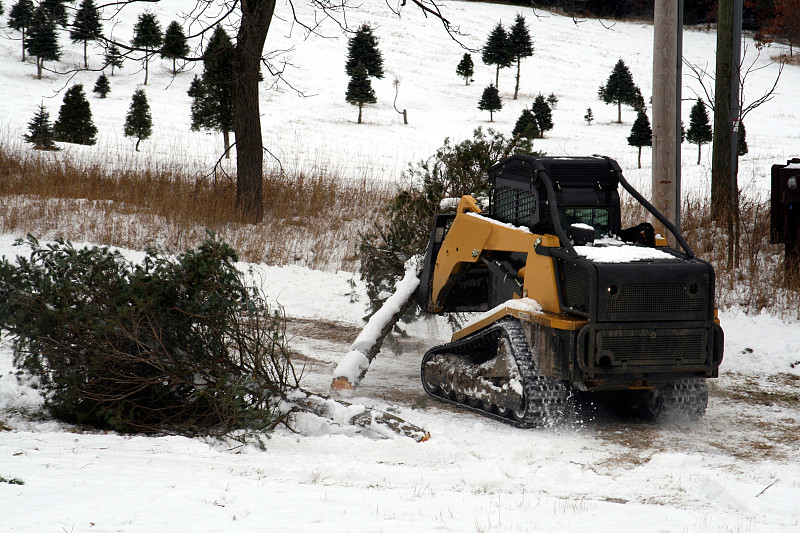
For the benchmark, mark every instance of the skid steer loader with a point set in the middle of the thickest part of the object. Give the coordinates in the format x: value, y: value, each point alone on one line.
x: 571, y: 301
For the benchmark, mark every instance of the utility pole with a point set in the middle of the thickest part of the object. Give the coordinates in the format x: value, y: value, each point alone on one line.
x: 722, y: 155
x: 667, y: 70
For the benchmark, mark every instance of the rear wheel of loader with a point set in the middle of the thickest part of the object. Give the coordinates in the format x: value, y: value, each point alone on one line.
x: 648, y: 404
x: 685, y: 398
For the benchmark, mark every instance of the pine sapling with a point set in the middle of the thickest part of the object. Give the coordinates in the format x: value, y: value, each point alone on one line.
x: 490, y: 101
x: 138, y: 121
x: 40, y: 130
x: 102, y: 87
x: 466, y: 68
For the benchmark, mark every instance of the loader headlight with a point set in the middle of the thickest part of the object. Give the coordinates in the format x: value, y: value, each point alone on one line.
x: 792, y: 183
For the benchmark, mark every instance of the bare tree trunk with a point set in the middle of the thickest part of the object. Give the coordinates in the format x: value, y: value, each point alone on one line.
x: 640, y: 157
x: 226, y: 139
x: 359, y: 112
x: 256, y: 18
x: 85, y: 59
x: 516, y: 87
x: 23, y: 44
x: 497, y: 77
x: 619, y: 112
x: 699, y: 147
x: 146, y: 66
x: 39, y: 65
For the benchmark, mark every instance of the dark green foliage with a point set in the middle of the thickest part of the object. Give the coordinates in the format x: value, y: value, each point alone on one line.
x: 174, y: 344
x: 42, y: 40
x: 404, y: 230
x: 544, y: 116
x: 113, y: 57
x: 620, y: 89
x: 3, y: 479
x: 742, y: 140
x: 175, y: 45
x: 138, y: 121
x: 40, y: 130
x: 363, y: 48
x: 466, y: 68
x: 74, y: 123
x: 641, y: 133
x: 589, y: 116
x: 490, y: 101
x: 496, y: 51
x: 552, y: 100
x: 20, y: 18
x: 56, y: 11
x: 102, y: 87
x: 147, y: 35
x: 359, y: 89
x: 700, y: 131
x: 526, y: 125
x: 212, y: 94
x: 86, y: 26
x: 520, y: 45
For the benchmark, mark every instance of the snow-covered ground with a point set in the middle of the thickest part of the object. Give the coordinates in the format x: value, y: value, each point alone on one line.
x: 735, y: 470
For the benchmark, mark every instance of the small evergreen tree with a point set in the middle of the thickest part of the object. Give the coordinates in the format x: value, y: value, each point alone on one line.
x: 147, y: 35
x: 359, y: 90
x: 363, y: 48
x: 699, y: 128
x: 20, y: 18
x: 175, y: 45
x: 86, y: 27
x: 40, y: 130
x: 589, y: 116
x: 544, y: 116
x: 113, y: 57
x: 102, y: 87
x: 212, y: 94
x: 497, y: 52
x: 742, y: 140
x: 520, y: 45
x: 641, y: 133
x: 42, y: 40
x: 526, y: 125
x: 490, y: 101
x: 466, y: 68
x: 552, y: 100
x: 56, y: 11
x: 74, y: 123
x: 620, y: 89
x: 138, y: 121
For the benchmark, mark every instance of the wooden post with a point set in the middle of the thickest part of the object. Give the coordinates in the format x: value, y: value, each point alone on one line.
x: 667, y: 57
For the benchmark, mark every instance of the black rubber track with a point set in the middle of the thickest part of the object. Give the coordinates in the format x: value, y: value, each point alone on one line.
x: 545, y: 399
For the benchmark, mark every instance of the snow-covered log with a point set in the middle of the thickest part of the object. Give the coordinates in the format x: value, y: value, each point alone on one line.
x: 374, y: 422
x: 354, y: 365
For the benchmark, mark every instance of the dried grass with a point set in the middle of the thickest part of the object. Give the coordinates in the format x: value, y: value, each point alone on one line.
x: 312, y: 217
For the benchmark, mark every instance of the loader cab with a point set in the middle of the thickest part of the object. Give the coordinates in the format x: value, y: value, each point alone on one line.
x: 585, y: 190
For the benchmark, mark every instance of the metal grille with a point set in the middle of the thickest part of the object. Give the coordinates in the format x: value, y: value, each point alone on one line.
x: 653, y: 298
x: 576, y: 286
x: 643, y: 348
x: 514, y: 206
x: 572, y: 173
